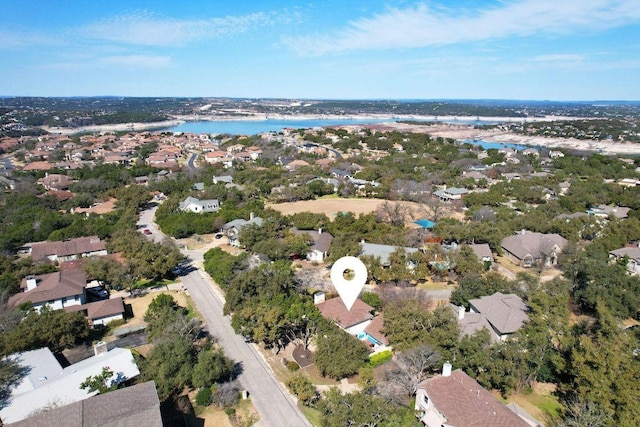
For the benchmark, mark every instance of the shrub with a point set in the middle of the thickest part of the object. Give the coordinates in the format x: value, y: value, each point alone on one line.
x: 230, y: 411
x: 292, y: 366
x: 226, y: 394
x: 380, y: 358
x: 204, y: 397
x: 302, y: 388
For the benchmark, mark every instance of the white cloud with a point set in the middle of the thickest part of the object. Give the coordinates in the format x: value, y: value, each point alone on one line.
x: 422, y: 25
x: 143, y: 28
x: 137, y: 61
x: 562, y: 57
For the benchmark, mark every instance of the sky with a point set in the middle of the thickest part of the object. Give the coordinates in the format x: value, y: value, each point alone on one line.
x: 322, y: 49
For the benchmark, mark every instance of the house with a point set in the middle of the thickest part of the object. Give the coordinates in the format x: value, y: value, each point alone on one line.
x: 528, y: 249
x: 135, y: 406
x: 100, y: 313
x: 456, y: 399
x: 67, y: 250
x: 232, y: 229
x: 504, y: 314
x: 605, y: 211
x: 56, y: 290
x: 321, y: 243
x: 55, y: 181
x: 451, y: 194
x: 225, y: 179
x: 48, y: 384
x: 632, y: 256
x: 382, y: 251
x: 191, y: 204
x: 198, y: 186
x: 483, y: 252
x: 359, y: 321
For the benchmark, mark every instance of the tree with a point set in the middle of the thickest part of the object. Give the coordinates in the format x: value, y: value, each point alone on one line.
x: 170, y: 364
x: 102, y: 383
x: 394, y: 213
x: 338, y: 354
x: 354, y: 409
x: 212, y: 367
x: 302, y: 388
x: 412, y: 367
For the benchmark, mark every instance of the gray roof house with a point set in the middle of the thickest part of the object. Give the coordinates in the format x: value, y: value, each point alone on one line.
x: 528, y: 249
x: 47, y: 383
x: 232, y: 228
x: 482, y: 251
x: 450, y: 194
x: 135, y: 406
x: 321, y: 243
x: 191, y: 204
x: 382, y: 251
x: 632, y: 253
x: 505, y: 314
x: 226, y: 179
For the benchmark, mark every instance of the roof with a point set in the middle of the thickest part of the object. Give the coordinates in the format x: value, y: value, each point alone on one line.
x: 51, y: 385
x: 239, y: 223
x: 464, y: 402
x: 105, y: 308
x: 321, y: 239
x: 506, y: 312
x: 482, y: 250
x: 534, y: 244
x: 77, y: 246
x: 382, y: 251
x: 632, y: 252
x: 425, y: 223
x: 335, y: 309
x: 52, y: 286
x: 135, y: 406
x: 375, y: 329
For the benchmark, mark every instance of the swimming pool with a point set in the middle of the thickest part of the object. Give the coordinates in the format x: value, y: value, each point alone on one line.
x: 364, y: 335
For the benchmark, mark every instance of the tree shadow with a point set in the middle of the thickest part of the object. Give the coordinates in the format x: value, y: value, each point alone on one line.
x: 12, y: 374
x: 237, y: 370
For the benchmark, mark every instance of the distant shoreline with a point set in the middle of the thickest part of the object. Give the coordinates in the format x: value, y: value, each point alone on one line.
x: 459, y: 132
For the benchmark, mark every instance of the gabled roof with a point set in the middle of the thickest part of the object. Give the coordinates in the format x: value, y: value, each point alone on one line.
x: 77, y: 246
x: 105, y: 308
x: 382, y: 251
x: 375, y: 329
x: 321, y: 240
x: 52, y: 286
x: 534, y: 244
x: 481, y: 250
x: 135, y: 406
x: 466, y: 403
x: 632, y: 252
x: 506, y: 312
x: 334, y: 309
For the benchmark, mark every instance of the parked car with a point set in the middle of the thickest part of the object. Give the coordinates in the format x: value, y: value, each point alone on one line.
x: 219, y: 236
x: 98, y: 292
x: 147, y: 231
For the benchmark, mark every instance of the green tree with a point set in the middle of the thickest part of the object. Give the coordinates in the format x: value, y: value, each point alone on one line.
x: 212, y: 367
x: 102, y: 383
x: 302, y: 388
x: 338, y: 354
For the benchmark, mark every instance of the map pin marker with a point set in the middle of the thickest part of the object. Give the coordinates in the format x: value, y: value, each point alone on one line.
x: 349, y: 287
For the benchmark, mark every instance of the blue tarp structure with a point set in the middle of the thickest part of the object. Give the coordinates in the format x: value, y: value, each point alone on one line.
x: 425, y: 223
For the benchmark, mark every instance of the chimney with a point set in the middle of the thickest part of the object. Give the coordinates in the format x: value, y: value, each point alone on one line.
x: 461, y: 312
x: 446, y: 369
x: 32, y: 283
x: 100, y: 348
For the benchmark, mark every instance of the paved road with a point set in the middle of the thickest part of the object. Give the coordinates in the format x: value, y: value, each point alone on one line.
x: 191, y: 161
x: 275, y: 406
x: 271, y: 400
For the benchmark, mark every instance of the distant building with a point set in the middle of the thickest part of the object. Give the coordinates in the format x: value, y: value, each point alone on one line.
x: 528, y: 249
x: 67, y: 250
x: 191, y: 204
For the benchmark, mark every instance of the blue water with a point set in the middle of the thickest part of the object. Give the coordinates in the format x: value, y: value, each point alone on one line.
x: 252, y: 127
x: 497, y: 145
x: 363, y: 335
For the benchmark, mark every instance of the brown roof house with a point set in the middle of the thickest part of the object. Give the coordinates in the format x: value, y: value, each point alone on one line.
x: 483, y: 252
x: 68, y: 250
x: 100, y: 313
x: 359, y: 321
x: 528, y: 249
x: 501, y: 314
x: 321, y: 242
x: 456, y: 399
x: 56, y: 290
x: 55, y: 181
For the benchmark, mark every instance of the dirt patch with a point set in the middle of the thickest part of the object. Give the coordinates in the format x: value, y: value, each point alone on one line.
x: 139, y: 304
x: 331, y: 207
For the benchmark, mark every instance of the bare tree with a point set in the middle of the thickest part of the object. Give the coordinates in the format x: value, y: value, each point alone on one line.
x: 412, y: 367
x: 585, y: 413
x: 395, y: 213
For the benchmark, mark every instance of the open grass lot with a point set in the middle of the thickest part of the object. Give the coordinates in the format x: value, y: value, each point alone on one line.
x: 540, y: 401
x: 332, y: 206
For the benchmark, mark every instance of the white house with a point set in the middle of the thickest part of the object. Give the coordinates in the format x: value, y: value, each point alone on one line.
x: 321, y: 243
x: 232, y: 229
x: 191, y: 204
x: 632, y: 255
x: 456, y: 399
x: 48, y: 384
x: 57, y: 290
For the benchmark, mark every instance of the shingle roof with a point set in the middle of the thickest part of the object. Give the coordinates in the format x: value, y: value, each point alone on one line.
x: 631, y: 252
x: 382, y: 251
x: 506, y: 313
x: 52, y: 286
x: 466, y: 403
x: 105, y: 308
x: 375, y: 329
x: 321, y: 240
x: 335, y: 309
x: 534, y: 244
x: 481, y: 250
x: 135, y: 406
x: 75, y: 246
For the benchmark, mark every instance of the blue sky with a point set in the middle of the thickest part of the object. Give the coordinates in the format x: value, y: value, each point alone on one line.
x: 329, y: 49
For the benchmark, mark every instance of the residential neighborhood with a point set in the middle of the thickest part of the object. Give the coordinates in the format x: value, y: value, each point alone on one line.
x: 498, y: 281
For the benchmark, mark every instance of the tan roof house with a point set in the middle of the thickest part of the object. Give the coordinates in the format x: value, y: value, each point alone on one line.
x: 632, y: 256
x: 68, y: 250
x: 528, y: 249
